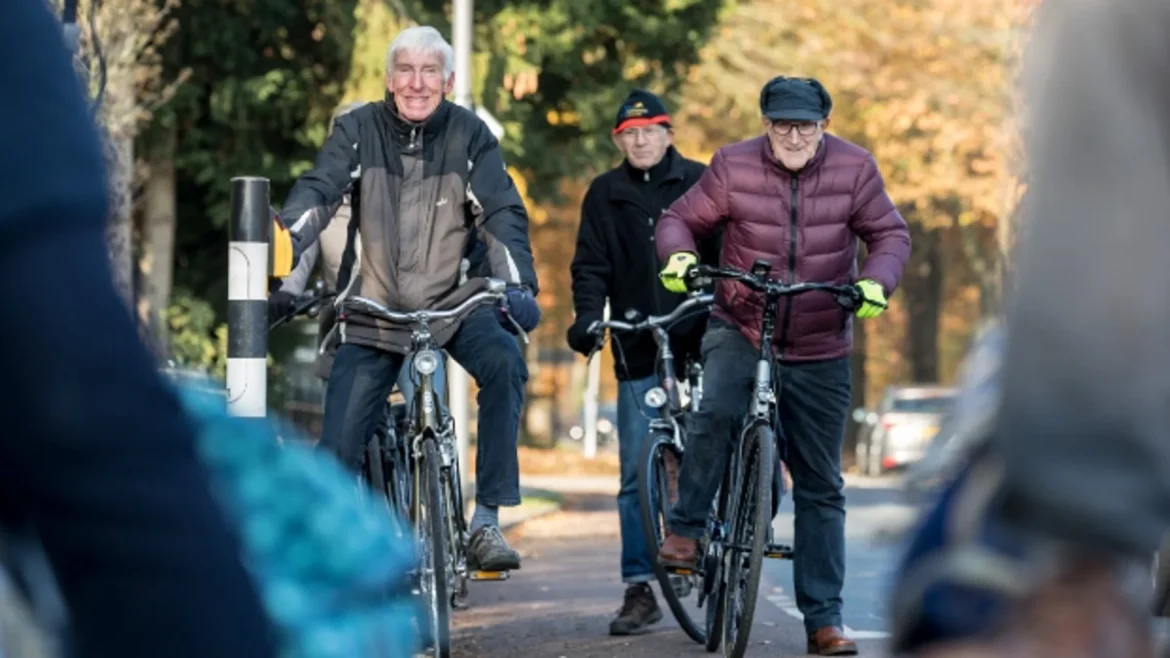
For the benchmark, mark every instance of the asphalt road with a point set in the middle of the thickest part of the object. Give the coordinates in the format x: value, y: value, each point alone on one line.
x: 560, y: 603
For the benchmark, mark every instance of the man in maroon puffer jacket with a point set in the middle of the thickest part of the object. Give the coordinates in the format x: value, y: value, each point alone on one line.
x: 798, y: 198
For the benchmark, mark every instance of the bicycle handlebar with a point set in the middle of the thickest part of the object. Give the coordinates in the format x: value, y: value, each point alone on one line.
x: 654, y: 320
x: 496, y: 292
x: 848, y: 295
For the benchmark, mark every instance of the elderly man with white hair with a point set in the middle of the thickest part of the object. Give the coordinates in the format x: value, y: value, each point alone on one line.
x: 428, y: 183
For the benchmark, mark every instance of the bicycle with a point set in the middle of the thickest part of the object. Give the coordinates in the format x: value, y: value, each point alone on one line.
x: 425, y: 470
x: 739, y: 527
x: 665, y: 443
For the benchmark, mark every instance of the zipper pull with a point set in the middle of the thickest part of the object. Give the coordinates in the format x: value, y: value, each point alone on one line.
x: 413, y: 136
x: 646, y: 175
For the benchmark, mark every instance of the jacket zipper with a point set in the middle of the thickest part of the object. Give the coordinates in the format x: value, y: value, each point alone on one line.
x: 791, y: 267
x: 656, y: 297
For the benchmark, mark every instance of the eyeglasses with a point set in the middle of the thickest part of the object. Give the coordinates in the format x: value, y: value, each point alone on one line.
x: 803, y: 128
x: 632, y: 134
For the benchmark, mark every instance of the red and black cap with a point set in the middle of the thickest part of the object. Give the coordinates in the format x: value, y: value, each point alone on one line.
x: 641, y: 108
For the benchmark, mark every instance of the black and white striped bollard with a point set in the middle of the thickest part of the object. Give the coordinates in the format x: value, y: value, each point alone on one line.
x: 248, y: 271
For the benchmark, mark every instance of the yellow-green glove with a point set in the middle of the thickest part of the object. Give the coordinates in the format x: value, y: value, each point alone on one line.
x: 676, y: 267
x: 873, y: 300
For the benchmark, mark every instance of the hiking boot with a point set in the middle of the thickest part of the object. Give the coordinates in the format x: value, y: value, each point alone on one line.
x: 488, y: 551
x: 639, y: 611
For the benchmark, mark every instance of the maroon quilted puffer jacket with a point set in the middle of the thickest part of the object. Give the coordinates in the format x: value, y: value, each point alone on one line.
x: 839, y: 197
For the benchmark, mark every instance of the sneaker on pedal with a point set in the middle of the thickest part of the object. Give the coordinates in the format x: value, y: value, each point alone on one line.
x: 487, y: 550
x: 638, y: 613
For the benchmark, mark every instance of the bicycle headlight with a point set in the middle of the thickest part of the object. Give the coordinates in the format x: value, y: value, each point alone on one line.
x: 426, y: 362
x: 655, y: 398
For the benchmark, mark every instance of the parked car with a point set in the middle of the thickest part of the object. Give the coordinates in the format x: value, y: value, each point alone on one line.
x: 896, y: 434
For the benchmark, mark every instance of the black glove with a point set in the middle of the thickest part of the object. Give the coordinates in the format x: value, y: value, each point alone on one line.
x: 580, y: 340
x: 280, y: 304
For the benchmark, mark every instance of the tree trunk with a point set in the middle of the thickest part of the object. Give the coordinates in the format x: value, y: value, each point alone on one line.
x: 923, y: 286
x: 156, y: 263
x: 120, y: 229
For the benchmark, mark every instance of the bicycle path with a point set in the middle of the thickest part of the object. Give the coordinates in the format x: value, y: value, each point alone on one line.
x: 559, y: 605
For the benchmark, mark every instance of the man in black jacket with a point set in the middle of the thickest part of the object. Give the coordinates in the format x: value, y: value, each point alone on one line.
x: 615, y: 260
x: 429, y: 180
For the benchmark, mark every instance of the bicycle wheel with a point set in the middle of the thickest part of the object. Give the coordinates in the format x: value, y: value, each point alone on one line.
x: 457, y: 534
x: 655, y: 502
x: 433, y: 542
x: 748, y: 535
x: 714, y: 573
x: 375, y: 475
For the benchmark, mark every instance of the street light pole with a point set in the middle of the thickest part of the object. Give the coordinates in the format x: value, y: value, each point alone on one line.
x: 456, y: 375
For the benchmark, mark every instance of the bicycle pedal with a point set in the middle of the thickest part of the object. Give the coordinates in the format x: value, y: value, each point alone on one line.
x: 489, y: 575
x: 779, y: 552
x: 679, y: 571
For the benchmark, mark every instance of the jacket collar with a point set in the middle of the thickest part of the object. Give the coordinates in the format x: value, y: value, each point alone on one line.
x: 404, y: 130
x: 668, y: 168
x: 814, y: 164
x: 630, y: 186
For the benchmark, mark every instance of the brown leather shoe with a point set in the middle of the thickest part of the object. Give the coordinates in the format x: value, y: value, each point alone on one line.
x: 679, y: 552
x: 831, y: 641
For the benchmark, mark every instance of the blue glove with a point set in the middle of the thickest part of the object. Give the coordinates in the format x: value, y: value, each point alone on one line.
x: 523, y: 308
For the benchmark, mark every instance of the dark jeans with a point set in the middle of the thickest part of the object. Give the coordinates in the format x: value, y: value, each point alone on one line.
x: 633, y: 425
x: 813, y: 403
x: 363, y: 377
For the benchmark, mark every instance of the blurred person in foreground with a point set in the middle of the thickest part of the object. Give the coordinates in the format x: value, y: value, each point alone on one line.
x: 1042, y: 544
x: 430, y: 180
x: 340, y: 258
x: 97, y: 455
x: 615, y: 260
x: 800, y: 198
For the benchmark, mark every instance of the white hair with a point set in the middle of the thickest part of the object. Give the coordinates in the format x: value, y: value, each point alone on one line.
x: 422, y: 39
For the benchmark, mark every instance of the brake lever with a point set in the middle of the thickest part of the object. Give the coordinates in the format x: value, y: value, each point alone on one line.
x: 519, y: 330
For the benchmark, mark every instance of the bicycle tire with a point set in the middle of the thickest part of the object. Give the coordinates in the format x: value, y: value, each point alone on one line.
x: 654, y: 510
x: 753, y: 512
x: 714, y: 600
x: 439, y: 605
x: 375, y: 474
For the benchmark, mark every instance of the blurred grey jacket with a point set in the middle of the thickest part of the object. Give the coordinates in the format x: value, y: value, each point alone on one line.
x: 1084, y: 428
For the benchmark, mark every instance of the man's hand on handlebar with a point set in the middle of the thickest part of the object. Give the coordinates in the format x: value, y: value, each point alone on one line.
x: 873, y: 299
x: 520, y: 310
x: 280, y: 305
x: 581, y: 336
x: 673, y: 276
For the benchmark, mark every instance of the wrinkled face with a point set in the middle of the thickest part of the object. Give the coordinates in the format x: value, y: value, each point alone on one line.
x: 644, y: 146
x: 418, y: 84
x: 794, y: 143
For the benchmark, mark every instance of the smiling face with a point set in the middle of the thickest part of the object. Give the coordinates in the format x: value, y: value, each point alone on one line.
x: 418, y: 84
x: 794, y: 143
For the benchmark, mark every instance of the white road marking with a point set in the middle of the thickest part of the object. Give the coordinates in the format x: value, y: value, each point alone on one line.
x: 788, y: 606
